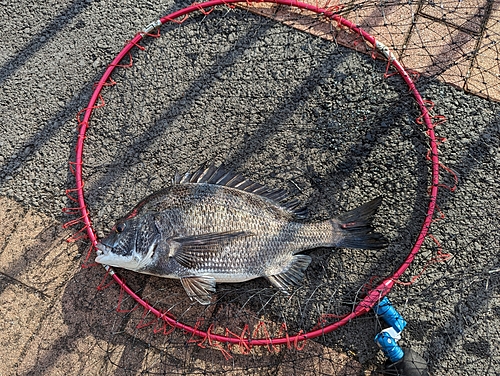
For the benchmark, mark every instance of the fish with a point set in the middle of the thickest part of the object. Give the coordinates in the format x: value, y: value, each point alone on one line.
x: 213, y: 225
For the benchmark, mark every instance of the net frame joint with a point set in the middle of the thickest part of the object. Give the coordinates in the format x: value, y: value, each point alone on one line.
x: 152, y: 26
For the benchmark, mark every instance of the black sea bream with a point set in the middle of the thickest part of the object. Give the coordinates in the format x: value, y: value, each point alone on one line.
x: 216, y: 226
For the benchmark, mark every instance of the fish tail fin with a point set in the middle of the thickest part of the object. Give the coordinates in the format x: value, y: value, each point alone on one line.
x: 356, y: 227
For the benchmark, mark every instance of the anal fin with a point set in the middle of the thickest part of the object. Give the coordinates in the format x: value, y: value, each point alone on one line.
x: 199, y: 288
x: 292, y: 275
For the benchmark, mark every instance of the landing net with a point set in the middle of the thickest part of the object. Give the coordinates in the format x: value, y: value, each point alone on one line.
x: 335, y: 126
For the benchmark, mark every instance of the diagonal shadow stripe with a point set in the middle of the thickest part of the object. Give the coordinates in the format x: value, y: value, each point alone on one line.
x: 13, y: 164
x: 477, y: 151
x: 31, y: 48
x: 198, y: 86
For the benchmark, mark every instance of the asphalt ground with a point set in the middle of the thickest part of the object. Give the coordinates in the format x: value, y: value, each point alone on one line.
x: 282, y: 107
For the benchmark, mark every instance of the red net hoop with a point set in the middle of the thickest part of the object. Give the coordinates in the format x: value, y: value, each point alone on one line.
x: 244, y: 340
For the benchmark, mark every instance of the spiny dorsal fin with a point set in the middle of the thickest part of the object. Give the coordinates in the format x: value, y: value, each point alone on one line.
x: 227, y: 178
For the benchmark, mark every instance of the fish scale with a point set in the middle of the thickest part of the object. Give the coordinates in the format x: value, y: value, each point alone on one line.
x: 214, y: 225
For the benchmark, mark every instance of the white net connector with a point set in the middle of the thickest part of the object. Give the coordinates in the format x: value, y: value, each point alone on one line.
x: 153, y: 25
x: 384, y: 50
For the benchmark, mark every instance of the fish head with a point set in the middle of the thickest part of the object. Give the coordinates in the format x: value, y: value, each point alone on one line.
x: 130, y: 244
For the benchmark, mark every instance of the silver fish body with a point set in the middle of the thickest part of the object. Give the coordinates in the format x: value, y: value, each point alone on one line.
x: 216, y: 226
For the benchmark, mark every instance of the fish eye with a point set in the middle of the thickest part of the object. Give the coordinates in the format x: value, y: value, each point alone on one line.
x: 120, y: 227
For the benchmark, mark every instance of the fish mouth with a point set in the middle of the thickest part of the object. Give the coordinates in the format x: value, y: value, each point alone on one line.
x: 102, y: 252
x: 106, y: 256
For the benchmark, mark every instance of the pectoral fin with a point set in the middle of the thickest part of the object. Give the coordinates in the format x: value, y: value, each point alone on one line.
x: 190, y: 251
x: 292, y: 275
x: 199, y: 288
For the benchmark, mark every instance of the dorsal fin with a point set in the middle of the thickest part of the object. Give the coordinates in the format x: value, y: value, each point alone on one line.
x: 228, y: 178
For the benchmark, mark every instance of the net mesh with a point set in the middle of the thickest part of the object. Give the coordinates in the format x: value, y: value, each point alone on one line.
x: 453, y: 41
x: 335, y: 128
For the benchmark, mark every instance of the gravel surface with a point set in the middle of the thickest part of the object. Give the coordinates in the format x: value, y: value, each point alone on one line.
x: 285, y: 109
